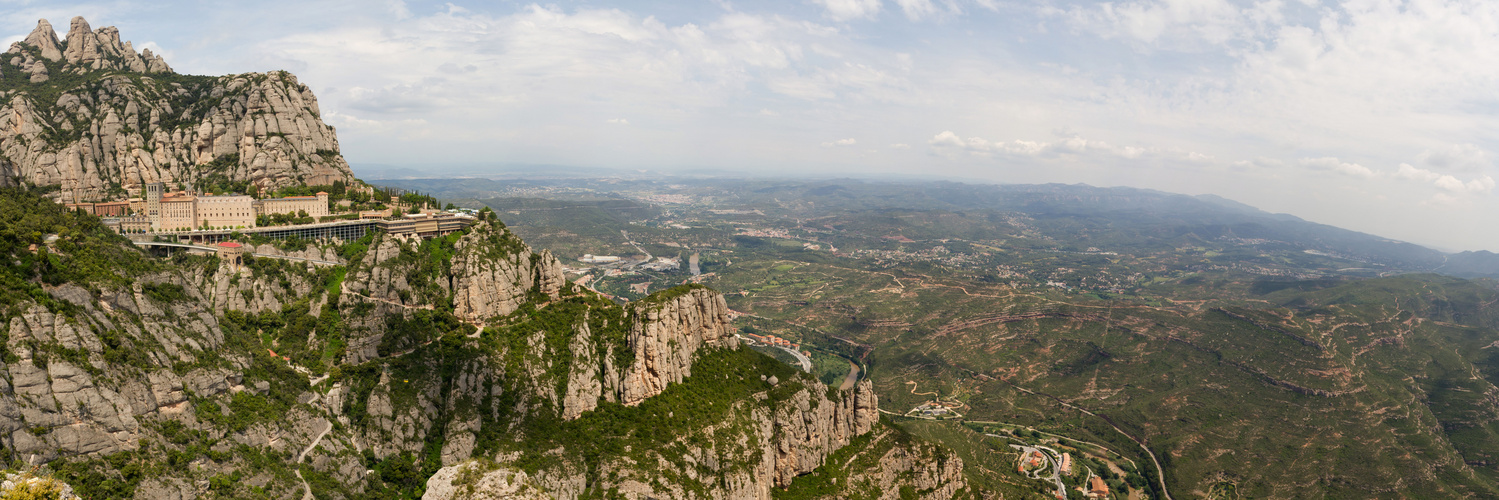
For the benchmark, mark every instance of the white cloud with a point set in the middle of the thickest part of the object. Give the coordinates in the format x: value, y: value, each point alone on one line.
x: 1335, y: 165
x: 840, y: 143
x: 1259, y: 163
x: 398, y: 9
x: 1481, y: 184
x: 1406, y: 171
x: 407, y: 128
x: 843, y: 10
x: 947, y: 142
x: 917, y: 10
x: 1191, y: 25
x: 900, y: 145
x: 1461, y: 157
x: 619, y: 121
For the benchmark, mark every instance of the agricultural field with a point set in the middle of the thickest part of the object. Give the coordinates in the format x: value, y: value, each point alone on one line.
x: 1229, y: 359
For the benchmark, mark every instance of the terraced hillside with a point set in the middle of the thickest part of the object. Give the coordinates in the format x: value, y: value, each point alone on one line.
x: 1245, y: 364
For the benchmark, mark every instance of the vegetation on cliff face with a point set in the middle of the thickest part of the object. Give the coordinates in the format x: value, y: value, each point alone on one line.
x: 225, y: 402
x: 44, y: 243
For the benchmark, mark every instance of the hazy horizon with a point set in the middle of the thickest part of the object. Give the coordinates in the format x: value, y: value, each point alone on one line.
x: 382, y: 175
x: 1371, y: 115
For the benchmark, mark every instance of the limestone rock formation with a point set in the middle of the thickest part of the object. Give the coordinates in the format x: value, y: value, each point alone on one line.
x: 129, y: 120
x: 58, y: 407
x: 487, y: 283
x: 370, y: 374
x: 667, y: 336
x: 476, y: 480
x: 24, y: 485
x: 926, y: 468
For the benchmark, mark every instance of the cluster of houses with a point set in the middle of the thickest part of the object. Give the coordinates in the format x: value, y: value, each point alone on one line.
x: 1035, y: 459
x: 772, y: 340
x: 936, y: 409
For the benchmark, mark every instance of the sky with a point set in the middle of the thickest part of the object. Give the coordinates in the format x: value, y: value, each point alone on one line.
x: 1373, y: 115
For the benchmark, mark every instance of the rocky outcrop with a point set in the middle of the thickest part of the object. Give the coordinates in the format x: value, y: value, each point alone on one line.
x: 109, y: 133
x: 667, y: 334
x: 812, y: 427
x: 762, y: 446
x: 481, y: 480
x: 25, y: 485
x: 86, y: 49
x: 493, y: 272
x: 933, y: 473
x: 84, y: 403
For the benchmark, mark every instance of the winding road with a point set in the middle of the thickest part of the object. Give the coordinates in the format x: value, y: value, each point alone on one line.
x: 1160, y: 472
x: 307, y: 488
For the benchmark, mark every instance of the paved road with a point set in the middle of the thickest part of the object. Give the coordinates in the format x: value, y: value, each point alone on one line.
x: 800, y: 358
x: 1160, y: 472
x: 632, y: 242
x: 307, y: 488
x: 1053, y: 462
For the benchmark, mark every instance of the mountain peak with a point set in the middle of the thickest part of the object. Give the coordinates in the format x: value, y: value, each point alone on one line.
x: 85, y: 49
x: 45, y: 39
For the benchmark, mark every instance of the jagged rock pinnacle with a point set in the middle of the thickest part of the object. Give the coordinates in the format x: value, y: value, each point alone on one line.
x: 86, y: 49
x: 45, y: 39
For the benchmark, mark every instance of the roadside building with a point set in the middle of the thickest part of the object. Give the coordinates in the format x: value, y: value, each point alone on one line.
x: 106, y: 209
x: 1097, y: 488
x: 427, y: 225
x: 230, y: 253
x: 1066, y: 466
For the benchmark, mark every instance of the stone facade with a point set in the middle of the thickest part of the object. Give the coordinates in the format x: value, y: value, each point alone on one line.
x: 178, y: 212
x: 315, y: 206
x: 231, y: 211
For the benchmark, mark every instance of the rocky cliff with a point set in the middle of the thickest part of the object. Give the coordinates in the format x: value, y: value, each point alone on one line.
x: 90, y: 115
x: 671, y: 329
x: 133, y: 376
x: 493, y: 272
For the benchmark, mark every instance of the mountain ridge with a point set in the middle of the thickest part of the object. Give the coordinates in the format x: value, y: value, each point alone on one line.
x: 93, y: 120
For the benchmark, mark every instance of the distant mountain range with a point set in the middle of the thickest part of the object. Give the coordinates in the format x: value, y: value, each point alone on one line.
x: 1137, y: 216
